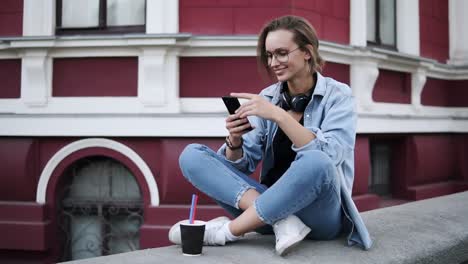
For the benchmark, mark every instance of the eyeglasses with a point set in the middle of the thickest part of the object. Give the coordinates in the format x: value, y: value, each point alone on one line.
x: 282, y: 56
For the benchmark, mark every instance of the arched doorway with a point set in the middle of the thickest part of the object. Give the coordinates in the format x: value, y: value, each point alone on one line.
x: 99, y: 209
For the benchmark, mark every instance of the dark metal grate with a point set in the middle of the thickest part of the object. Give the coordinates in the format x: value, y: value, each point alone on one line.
x: 101, y: 210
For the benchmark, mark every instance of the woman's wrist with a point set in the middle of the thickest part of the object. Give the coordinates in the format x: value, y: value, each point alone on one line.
x: 234, y: 142
x: 280, y: 115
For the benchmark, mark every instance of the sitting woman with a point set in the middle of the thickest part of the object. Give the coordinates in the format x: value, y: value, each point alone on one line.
x: 304, y: 133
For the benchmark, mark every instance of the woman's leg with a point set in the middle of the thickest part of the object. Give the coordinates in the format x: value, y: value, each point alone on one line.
x: 310, y: 190
x: 211, y: 174
x: 234, y: 212
x: 233, y: 190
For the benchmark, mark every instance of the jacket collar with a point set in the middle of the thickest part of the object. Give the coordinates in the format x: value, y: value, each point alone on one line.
x: 275, y: 92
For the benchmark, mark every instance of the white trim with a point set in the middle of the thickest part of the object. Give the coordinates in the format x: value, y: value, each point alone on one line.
x: 159, y: 94
x: 381, y: 120
x: 382, y: 124
x: 158, y: 79
x: 358, y: 23
x: 363, y: 75
x: 96, y: 142
x: 94, y: 52
x: 418, y: 80
x: 407, y: 31
x: 219, y: 46
x: 8, y: 54
x: 39, y: 18
x: 162, y: 16
x: 36, y: 76
x: 182, y: 125
x: 458, y: 37
x: 84, y: 105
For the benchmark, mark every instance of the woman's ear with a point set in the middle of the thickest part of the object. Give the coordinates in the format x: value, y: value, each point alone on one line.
x: 309, y: 52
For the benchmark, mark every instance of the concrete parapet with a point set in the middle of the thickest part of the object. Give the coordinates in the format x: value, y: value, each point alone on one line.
x: 428, y: 231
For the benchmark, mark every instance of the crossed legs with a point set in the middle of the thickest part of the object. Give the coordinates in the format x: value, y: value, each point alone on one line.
x: 308, y: 189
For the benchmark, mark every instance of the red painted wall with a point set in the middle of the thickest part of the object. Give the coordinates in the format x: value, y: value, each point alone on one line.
x: 175, y: 189
x: 339, y: 72
x: 462, y: 157
x: 425, y: 159
x: 361, y: 166
x: 10, y: 77
x: 426, y: 165
x: 11, y: 18
x: 423, y: 166
x: 439, y: 92
x: 23, y: 226
x: 19, y: 173
x: 392, y: 87
x: 210, y: 17
x: 95, y: 77
x: 218, y: 76
x: 435, y: 159
x: 434, y: 29
x: 329, y: 18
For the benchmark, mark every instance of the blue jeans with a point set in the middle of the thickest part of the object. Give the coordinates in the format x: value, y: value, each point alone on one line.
x: 309, y: 189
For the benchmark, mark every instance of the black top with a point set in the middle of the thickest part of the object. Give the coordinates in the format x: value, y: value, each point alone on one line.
x: 283, y: 156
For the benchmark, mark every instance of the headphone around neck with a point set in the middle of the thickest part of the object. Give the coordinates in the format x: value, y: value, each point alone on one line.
x: 297, y: 103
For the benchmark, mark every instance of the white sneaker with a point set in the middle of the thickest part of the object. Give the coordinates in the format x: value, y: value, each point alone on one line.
x: 289, y: 232
x: 210, y: 237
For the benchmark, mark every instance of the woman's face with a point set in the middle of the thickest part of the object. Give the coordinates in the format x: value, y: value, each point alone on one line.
x: 292, y: 62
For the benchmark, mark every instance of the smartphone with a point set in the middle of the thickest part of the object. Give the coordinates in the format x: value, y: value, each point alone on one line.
x: 232, y: 104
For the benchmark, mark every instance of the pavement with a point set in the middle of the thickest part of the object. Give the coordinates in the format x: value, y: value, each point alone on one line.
x: 429, y: 231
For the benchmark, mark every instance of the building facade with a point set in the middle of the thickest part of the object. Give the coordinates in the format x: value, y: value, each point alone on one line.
x: 99, y: 97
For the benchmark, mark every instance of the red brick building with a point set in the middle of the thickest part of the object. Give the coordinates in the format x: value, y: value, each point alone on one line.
x: 99, y: 97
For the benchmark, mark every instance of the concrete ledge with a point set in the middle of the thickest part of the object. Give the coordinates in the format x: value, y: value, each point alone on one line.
x: 429, y: 231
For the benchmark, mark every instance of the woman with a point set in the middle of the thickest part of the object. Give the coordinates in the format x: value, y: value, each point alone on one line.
x: 304, y: 132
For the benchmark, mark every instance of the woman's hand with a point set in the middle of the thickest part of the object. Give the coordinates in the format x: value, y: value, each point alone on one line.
x: 237, y: 127
x: 257, y: 106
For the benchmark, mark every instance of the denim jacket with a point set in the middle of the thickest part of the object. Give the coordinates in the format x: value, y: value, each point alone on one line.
x: 331, y: 116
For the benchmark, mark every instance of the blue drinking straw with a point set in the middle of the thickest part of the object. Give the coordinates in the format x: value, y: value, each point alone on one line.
x: 193, y: 208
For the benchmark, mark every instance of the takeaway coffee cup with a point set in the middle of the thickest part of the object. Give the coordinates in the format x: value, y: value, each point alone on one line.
x: 192, y: 238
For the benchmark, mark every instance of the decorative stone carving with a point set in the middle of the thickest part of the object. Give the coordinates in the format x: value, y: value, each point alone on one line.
x: 36, y: 72
x: 364, y: 73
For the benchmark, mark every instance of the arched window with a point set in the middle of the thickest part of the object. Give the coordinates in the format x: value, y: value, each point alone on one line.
x: 100, y: 209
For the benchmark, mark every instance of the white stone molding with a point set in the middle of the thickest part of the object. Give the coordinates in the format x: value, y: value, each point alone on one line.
x: 159, y: 112
x: 363, y: 75
x: 384, y: 118
x: 418, y: 79
x: 208, y: 46
x: 158, y: 78
x: 89, y: 143
x: 458, y: 32
x: 162, y: 16
x: 36, y: 75
x: 358, y: 23
x: 39, y: 17
x: 407, y: 31
x: 8, y: 54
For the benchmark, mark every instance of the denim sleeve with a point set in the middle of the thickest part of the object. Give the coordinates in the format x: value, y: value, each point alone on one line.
x: 252, y: 148
x: 337, y: 133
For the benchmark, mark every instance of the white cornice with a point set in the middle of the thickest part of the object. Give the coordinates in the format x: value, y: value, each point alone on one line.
x: 217, y: 46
